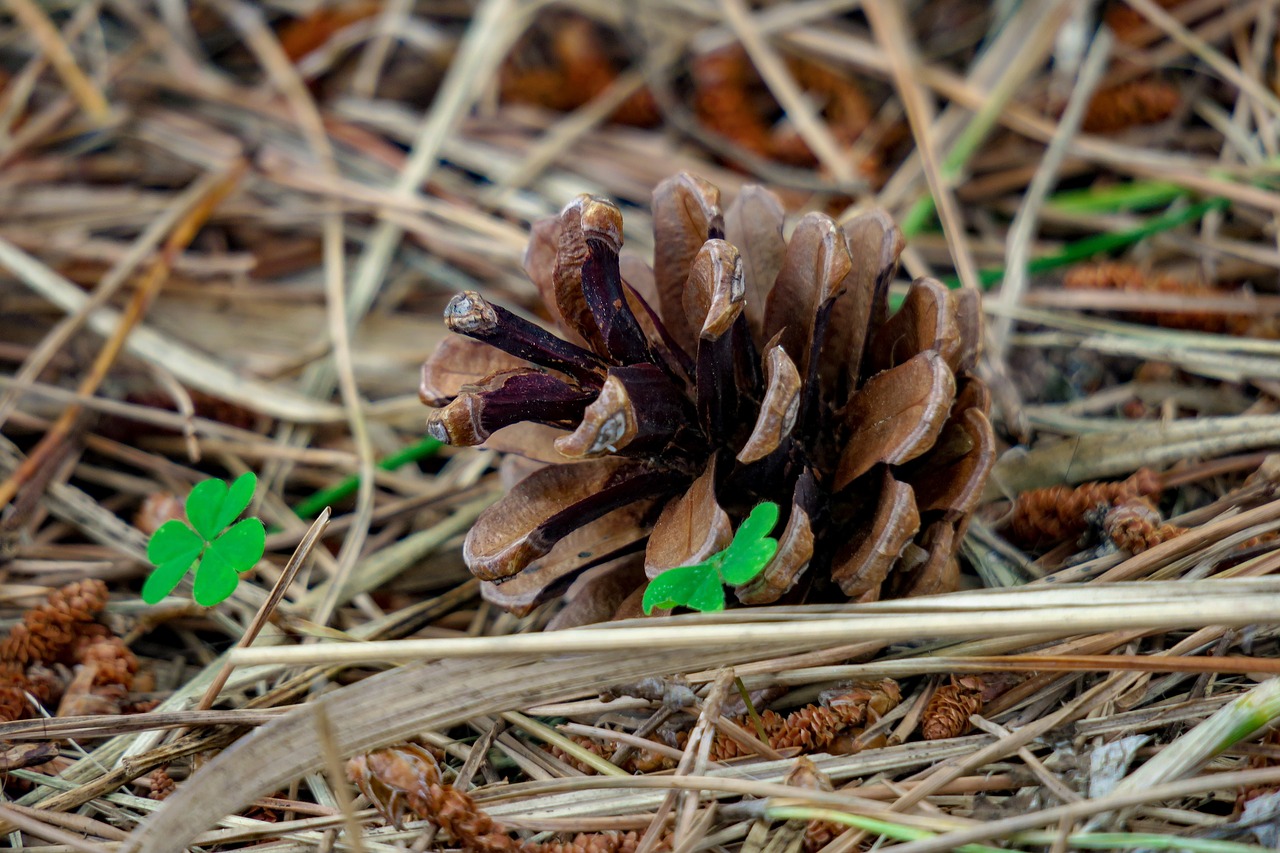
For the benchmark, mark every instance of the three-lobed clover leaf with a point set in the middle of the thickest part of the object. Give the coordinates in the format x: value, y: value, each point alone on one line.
x: 701, y: 586
x: 219, y: 549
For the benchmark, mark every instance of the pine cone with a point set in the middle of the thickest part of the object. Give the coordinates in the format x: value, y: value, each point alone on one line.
x: 742, y: 368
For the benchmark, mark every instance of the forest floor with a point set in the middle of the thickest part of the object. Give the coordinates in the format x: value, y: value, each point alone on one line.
x: 227, y: 237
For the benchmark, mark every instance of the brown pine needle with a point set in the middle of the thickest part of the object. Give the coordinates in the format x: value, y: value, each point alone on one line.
x: 1233, y: 664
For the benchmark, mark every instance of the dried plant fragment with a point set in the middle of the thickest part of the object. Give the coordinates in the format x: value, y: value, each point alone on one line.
x: 1130, y: 104
x: 795, y: 549
x: 546, y: 506
x: 458, y: 362
x: 814, y: 272
x: 504, y: 399
x: 47, y: 633
x: 566, y: 60
x: 865, y: 562
x: 949, y: 708
x: 637, y: 409
x: 470, y: 314
x: 874, y: 243
x: 778, y: 411
x: 690, y: 529
x: 63, y: 630
x: 405, y: 779
x: 1053, y: 514
x: 926, y: 321
x: 753, y: 223
x: 951, y: 476
x: 1134, y: 525
x: 686, y: 213
x: 936, y: 570
x: 161, y: 783
x: 1130, y: 278
x: 733, y: 100
x: 842, y: 711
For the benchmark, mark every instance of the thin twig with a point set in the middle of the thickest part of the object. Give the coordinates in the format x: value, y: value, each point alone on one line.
x: 314, y: 532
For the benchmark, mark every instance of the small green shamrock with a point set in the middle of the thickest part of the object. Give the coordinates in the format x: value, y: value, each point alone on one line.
x: 223, y: 549
x: 701, y: 586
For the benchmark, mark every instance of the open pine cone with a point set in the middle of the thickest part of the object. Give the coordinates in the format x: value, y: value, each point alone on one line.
x: 741, y: 368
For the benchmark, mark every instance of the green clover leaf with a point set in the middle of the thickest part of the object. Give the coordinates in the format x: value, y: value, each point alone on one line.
x: 751, y: 548
x: 242, y: 545
x: 757, y: 525
x: 681, y: 585
x: 215, y: 579
x: 222, y: 551
x: 701, y: 586
x: 173, y: 548
x: 211, y: 506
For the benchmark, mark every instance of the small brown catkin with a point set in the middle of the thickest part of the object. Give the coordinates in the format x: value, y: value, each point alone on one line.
x: 950, y: 706
x: 408, y: 777
x: 1130, y: 278
x: 13, y: 701
x: 116, y: 664
x: 47, y: 632
x: 1131, y: 104
x: 809, y: 729
x: 1134, y: 525
x: 1044, y: 517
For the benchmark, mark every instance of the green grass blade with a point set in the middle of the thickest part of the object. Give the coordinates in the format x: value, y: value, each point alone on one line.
x: 1082, y: 250
x: 312, y: 506
x: 1133, y: 195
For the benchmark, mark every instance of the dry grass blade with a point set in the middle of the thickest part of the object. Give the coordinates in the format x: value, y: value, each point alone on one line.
x: 91, y: 99
x: 788, y: 93
x: 1023, y: 227
x: 383, y: 709
x: 1217, y: 603
x: 1248, y: 714
x: 33, y: 825
x: 195, y: 369
x: 887, y: 21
